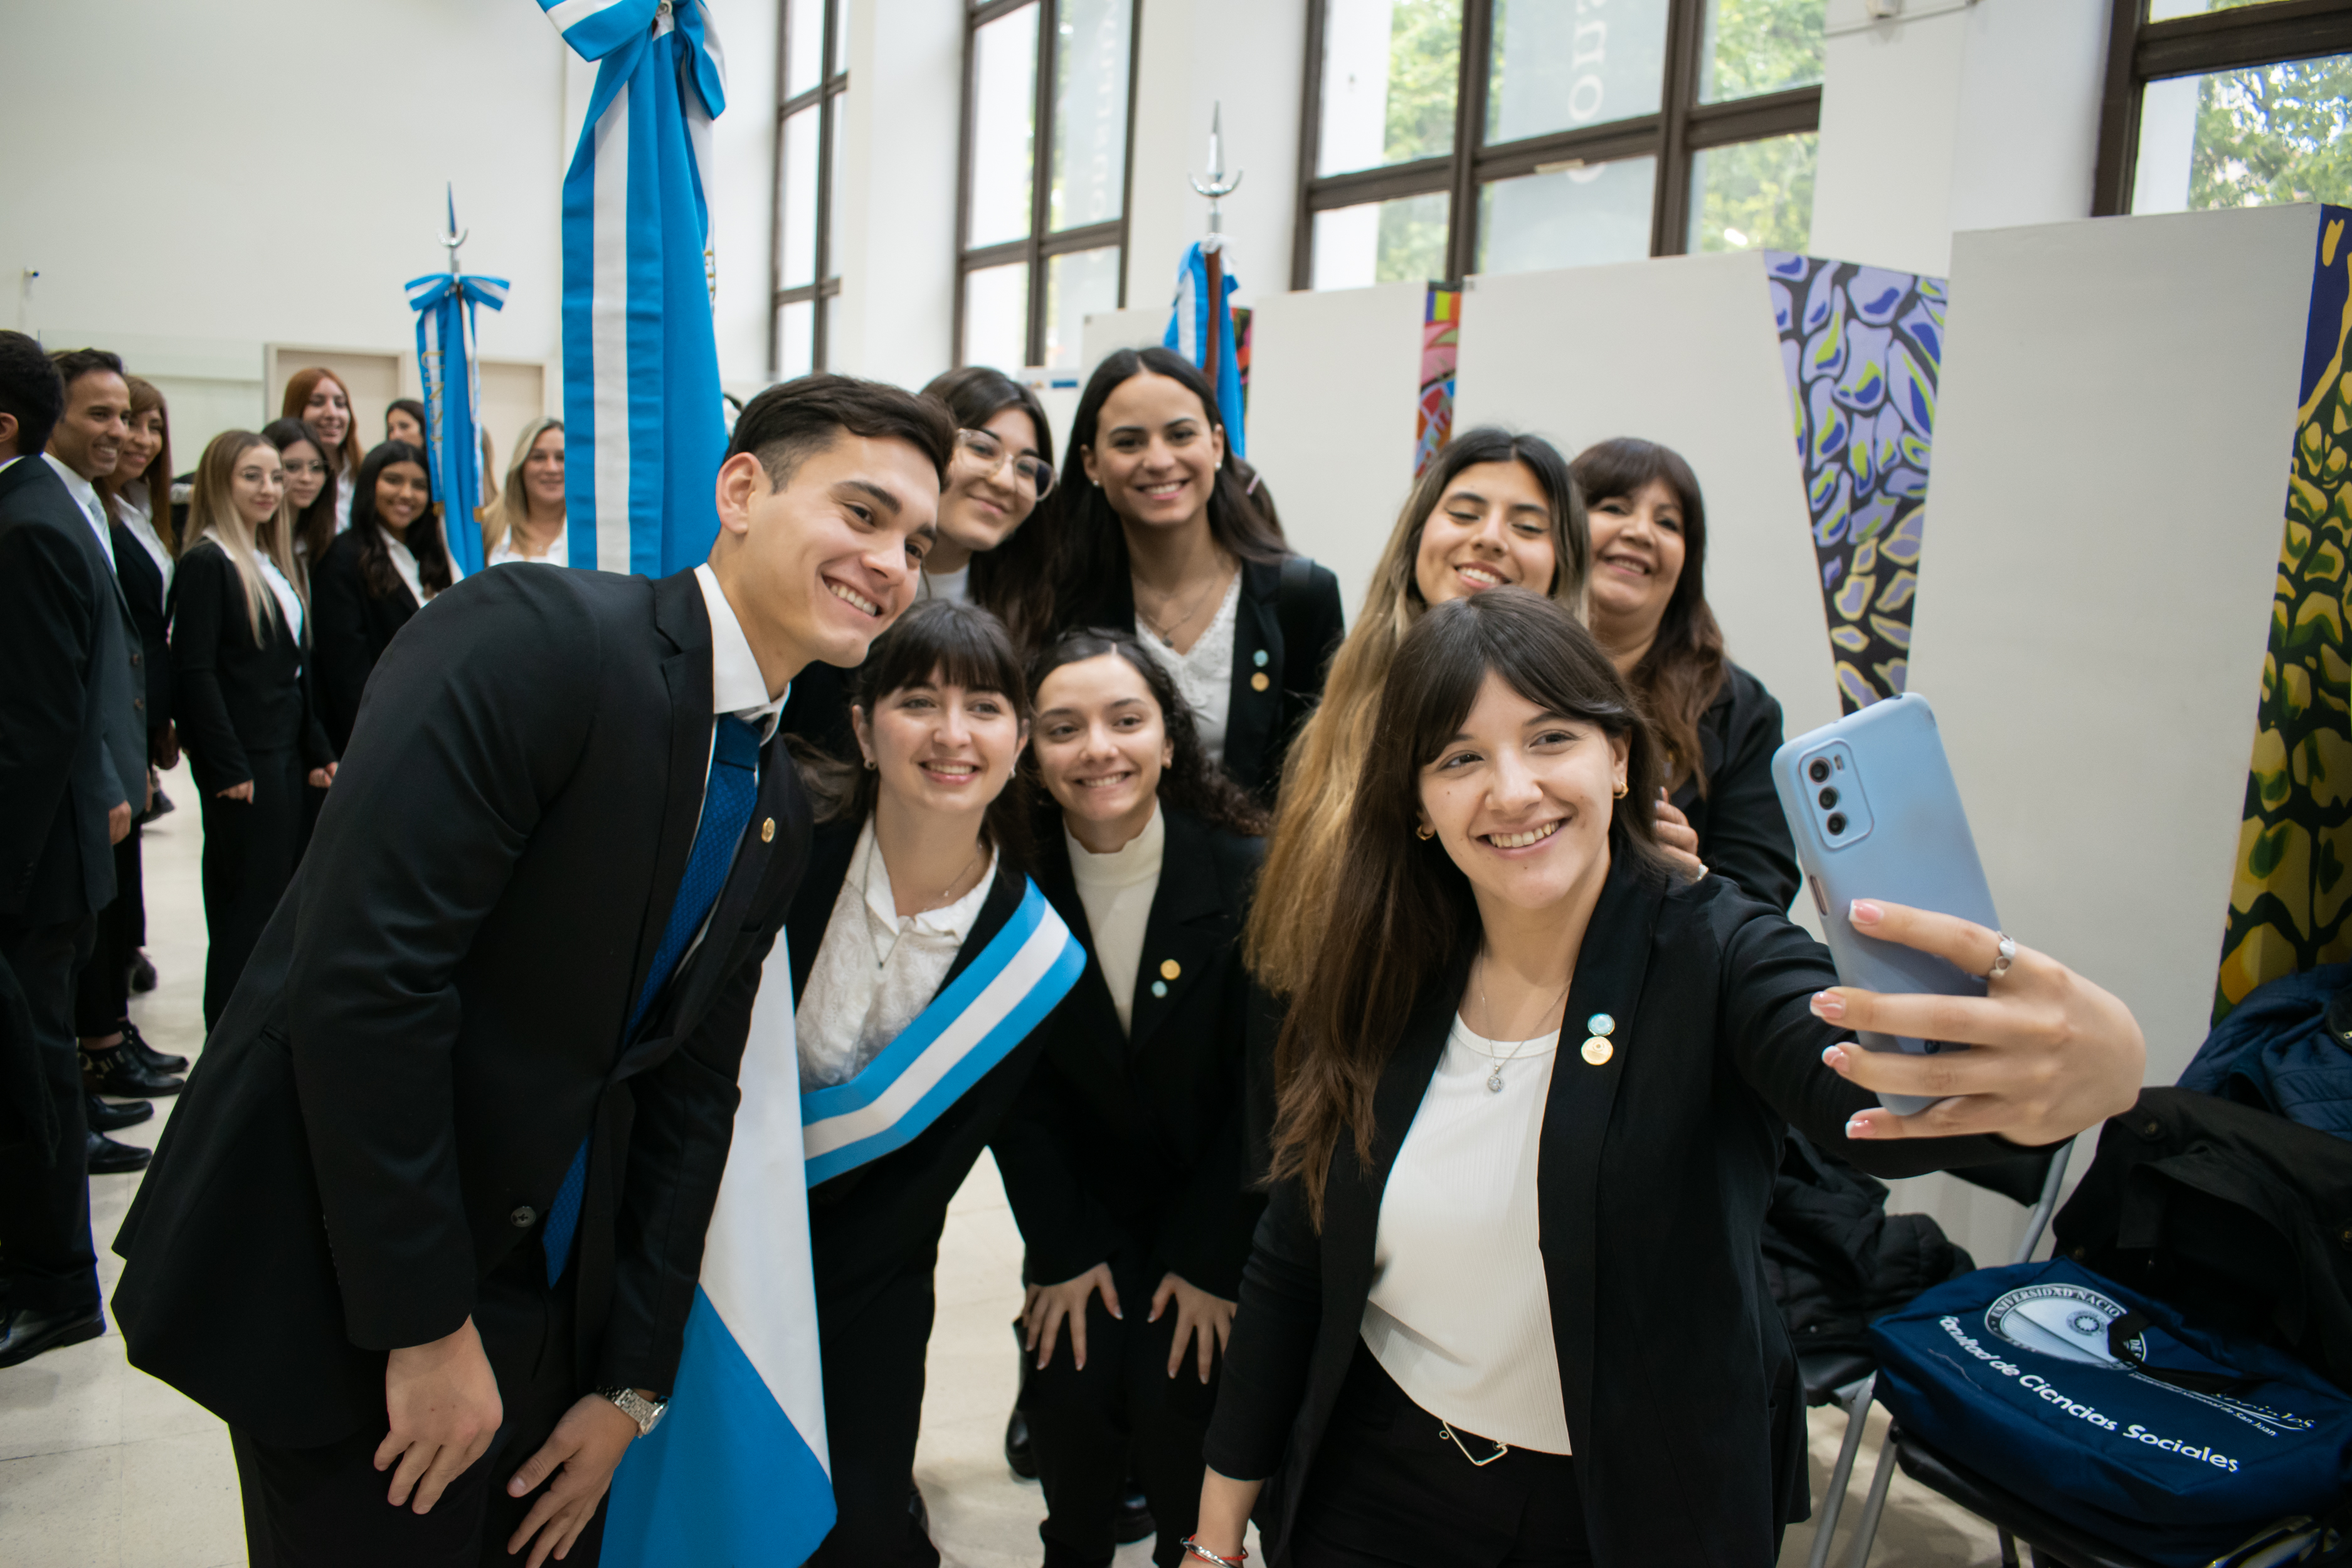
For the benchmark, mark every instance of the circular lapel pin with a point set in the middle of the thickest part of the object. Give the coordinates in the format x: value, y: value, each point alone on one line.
x: 768, y: 831
x: 1258, y: 682
x: 1160, y: 988
x: 1598, y: 1051
x: 1169, y: 969
x: 1258, y: 658
x: 1601, y: 1023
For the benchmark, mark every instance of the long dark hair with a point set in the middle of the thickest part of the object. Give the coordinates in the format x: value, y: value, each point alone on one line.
x: 314, y: 525
x: 1088, y: 540
x: 1001, y: 578
x: 1190, y: 781
x: 1684, y: 671
x: 1402, y: 909
x: 424, y: 541
x: 951, y: 644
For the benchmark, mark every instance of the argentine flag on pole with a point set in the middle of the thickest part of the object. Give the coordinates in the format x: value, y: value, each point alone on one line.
x: 736, y: 1475
x: 1196, y: 329
x: 641, y: 403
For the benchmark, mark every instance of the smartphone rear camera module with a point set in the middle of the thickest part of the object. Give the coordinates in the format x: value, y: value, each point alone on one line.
x: 1836, y: 824
x: 1829, y: 798
x: 1819, y: 770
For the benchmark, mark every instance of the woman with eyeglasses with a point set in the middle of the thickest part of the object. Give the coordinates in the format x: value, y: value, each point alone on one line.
x: 1003, y: 467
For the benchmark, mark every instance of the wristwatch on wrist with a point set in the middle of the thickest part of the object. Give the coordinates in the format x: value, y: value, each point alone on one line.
x: 646, y: 1413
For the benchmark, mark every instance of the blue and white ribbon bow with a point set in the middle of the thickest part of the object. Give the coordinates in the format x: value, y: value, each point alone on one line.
x: 451, y: 371
x: 643, y: 425
x: 1202, y: 331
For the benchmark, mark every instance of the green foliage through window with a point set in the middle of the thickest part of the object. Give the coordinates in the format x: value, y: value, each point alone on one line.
x: 2273, y: 134
x: 1754, y: 194
x: 1755, y: 47
x: 1425, y: 64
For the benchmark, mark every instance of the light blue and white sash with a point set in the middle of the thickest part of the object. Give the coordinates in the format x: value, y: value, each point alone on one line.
x: 967, y: 1028
x: 452, y: 376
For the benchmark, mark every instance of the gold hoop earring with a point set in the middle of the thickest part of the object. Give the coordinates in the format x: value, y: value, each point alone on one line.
x: 1424, y: 833
x: 1622, y: 790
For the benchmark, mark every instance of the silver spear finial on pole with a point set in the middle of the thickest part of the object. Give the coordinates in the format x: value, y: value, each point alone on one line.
x: 1215, y: 185
x: 453, y: 237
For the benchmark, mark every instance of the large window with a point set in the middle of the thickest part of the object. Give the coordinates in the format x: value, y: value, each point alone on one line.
x: 814, y: 71
x: 2226, y: 103
x: 1446, y: 137
x: 1042, y: 202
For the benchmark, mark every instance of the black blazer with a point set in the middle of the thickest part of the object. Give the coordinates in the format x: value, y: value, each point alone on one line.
x: 143, y: 593
x: 231, y: 695
x: 866, y: 1224
x: 436, y: 1018
x: 1742, y: 834
x: 68, y: 683
x: 1654, y: 1173
x: 350, y: 628
x: 1136, y: 1142
x: 1297, y: 634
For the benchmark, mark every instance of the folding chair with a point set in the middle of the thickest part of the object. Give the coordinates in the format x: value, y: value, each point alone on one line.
x: 2032, y: 1177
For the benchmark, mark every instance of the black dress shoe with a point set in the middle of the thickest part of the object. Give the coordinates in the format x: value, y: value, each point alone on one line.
x: 119, y: 1073
x: 1133, y: 1522
x: 1017, y: 1451
x: 107, y: 1158
x: 153, y: 1061
x: 105, y: 1116
x: 25, y: 1333
x: 143, y: 974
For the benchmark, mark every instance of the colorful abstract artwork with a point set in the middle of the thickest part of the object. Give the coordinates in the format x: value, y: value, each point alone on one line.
x: 2292, y: 893
x: 1440, y: 339
x: 1862, y: 348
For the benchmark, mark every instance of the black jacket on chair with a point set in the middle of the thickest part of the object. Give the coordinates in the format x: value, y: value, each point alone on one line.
x: 67, y: 686
x: 351, y: 629
x: 1742, y: 833
x: 1296, y: 627
x: 437, y: 1017
x: 143, y: 589
x: 231, y: 694
x: 1654, y: 1171
x: 1139, y: 1140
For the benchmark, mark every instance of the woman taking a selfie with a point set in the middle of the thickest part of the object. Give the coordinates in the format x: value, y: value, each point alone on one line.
x: 1124, y: 1159
x: 1493, y: 510
x: 1505, y: 1303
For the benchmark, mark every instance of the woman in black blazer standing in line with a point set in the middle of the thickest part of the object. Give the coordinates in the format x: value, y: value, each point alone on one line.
x: 376, y: 576
x: 1646, y: 604
x: 240, y: 699
x: 1126, y: 1159
x: 1155, y: 532
x: 1505, y: 1304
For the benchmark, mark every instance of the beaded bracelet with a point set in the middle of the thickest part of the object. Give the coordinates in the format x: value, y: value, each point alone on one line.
x: 1200, y: 1554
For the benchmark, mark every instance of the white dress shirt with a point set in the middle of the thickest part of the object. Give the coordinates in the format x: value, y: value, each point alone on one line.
x: 1459, y: 1312
x: 93, y: 510
x: 135, y: 510
x: 737, y: 686
x: 1117, y: 890
x: 955, y: 588
x: 290, y: 603
x: 1205, y: 674
x: 344, y: 480
x: 876, y: 969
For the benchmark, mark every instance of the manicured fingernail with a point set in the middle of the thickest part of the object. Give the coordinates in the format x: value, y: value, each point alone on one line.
x: 1857, y: 1128
x: 1829, y: 1005
x: 1862, y: 912
x: 1835, y: 1058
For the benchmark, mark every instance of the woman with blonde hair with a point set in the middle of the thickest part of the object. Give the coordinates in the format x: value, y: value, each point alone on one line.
x: 317, y: 396
x: 243, y: 707
x: 524, y: 522
x: 1494, y: 509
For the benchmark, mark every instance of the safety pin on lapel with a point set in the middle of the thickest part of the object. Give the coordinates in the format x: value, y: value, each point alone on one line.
x: 1446, y: 1432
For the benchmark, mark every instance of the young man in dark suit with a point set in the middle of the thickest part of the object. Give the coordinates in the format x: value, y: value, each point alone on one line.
x: 63, y: 806
x: 434, y: 1201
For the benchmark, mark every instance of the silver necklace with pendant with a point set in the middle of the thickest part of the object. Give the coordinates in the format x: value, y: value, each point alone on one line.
x: 1495, y: 1077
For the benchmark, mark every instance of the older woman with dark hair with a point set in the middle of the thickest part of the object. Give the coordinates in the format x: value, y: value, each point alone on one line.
x: 374, y: 578
x: 1506, y: 1304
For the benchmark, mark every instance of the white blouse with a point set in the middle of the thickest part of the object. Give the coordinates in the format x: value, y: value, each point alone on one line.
x: 132, y: 510
x: 955, y: 588
x: 343, y: 503
x: 558, y: 553
x: 1117, y: 890
x: 290, y: 603
x: 1205, y: 675
x: 875, y: 972
x: 1459, y: 1312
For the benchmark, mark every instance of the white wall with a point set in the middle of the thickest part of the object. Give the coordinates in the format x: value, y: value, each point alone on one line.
x: 742, y: 192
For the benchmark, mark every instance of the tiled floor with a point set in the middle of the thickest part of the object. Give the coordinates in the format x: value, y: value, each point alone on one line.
x: 102, y: 1466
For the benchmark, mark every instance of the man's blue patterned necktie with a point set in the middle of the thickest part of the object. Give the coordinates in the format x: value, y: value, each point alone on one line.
x: 726, y: 807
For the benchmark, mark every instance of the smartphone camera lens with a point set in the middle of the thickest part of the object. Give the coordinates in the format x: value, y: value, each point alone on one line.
x: 1829, y: 798
x: 1836, y: 823
x: 1820, y: 770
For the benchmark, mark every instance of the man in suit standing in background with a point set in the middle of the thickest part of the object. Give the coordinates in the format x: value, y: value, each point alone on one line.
x: 64, y: 667
x: 434, y: 1200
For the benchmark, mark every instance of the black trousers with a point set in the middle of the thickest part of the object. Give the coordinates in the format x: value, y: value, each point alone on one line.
x: 325, y: 1508
x: 46, y: 1254
x: 874, y: 1322
x: 249, y: 852
x: 1122, y: 1416
x: 102, y: 992
x: 1389, y: 1490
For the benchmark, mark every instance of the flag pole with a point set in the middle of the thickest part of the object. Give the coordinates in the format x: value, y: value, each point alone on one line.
x: 1215, y: 186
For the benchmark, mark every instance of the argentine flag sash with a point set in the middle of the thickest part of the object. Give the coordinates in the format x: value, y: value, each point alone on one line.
x: 969, y: 1026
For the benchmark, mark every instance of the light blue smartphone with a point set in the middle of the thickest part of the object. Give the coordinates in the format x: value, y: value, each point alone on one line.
x: 1874, y: 811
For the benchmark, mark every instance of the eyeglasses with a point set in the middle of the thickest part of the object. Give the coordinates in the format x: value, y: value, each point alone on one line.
x: 991, y: 455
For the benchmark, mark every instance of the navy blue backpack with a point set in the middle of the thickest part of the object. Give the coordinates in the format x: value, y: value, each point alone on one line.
x: 2103, y: 1408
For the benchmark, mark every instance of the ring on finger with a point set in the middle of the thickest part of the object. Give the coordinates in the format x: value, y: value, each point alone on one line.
x: 2005, y: 955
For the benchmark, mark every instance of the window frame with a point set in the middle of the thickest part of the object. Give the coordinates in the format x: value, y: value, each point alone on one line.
x: 2141, y: 51
x: 1039, y: 247
x: 826, y: 98
x: 1673, y: 134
